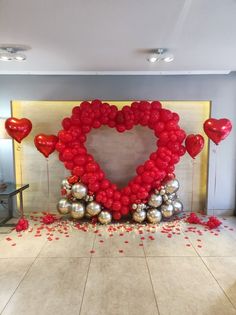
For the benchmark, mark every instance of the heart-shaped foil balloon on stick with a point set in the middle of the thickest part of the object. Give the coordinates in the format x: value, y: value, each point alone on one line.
x: 194, y: 144
x: 45, y: 144
x: 18, y: 129
x: 217, y: 129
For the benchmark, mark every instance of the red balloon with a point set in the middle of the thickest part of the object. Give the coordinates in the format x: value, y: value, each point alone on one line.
x: 18, y: 129
x: 194, y: 144
x: 116, y: 215
x: 217, y: 129
x: 46, y: 144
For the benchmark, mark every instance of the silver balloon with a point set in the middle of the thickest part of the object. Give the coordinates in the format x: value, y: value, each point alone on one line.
x: 172, y: 196
x: 178, y: 206
x: 165, y: 197
x: 140, y: 207
x: 65, y: 184
x: 172, y: 186
x: 104, y: 217
x: 139, y: 216
x: 167, y: 210
x: 155, y: 200
x: 77, y: 210
x: 64, y: 206
x: 79, y: 190
x: 162, y: 192
x: 93, y: 208
x: 154, y: 216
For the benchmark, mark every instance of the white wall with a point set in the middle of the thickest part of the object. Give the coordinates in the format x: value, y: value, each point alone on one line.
x: 220, y: 89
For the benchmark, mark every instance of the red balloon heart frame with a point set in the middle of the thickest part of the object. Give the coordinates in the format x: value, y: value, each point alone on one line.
x: 149, y: 176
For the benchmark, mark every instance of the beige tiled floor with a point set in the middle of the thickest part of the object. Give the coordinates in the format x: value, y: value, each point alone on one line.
x: 88, y: 273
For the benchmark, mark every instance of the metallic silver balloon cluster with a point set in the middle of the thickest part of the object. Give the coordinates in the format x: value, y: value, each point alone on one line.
x: 79, y: 204
x: 163, y: 203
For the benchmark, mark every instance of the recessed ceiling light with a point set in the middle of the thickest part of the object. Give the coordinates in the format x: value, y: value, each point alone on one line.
x: 160, y: 54
x: 152, y: 59
x: 12, y: 52
x: 20, y: 57
x: 5, y: 57
x: 169, y: 58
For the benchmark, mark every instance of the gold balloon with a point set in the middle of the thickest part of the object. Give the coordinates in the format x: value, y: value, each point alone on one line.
x: 172, y: 186
x: 178, y: 206
x: 155, y: 200
x: 79, y: 191
x: 77, y: 210
x: 64, y: 206
x: 93, y: 208
x: 104, y: 217
x: 154, y: 216
x: 139, y: 216
x: 167, y: 210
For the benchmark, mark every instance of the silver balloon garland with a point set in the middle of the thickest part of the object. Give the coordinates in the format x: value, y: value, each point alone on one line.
x: 162, y: 204
x: 78, y: 204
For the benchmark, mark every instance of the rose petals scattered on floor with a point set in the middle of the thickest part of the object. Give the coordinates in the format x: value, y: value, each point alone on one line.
x: 148, y: 232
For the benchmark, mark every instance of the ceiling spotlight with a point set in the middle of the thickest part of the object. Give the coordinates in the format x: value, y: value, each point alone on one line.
x: 160, y: 55
x: 169, y: 58
x: 153, y: 58
x: 20, y: 57
x: 12, y: 52
x: 5, y: 57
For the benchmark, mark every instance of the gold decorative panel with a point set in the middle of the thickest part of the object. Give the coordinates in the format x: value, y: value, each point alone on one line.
x: 118, y: 154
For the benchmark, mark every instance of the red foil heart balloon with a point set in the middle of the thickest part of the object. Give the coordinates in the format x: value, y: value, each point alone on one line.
x: 45, y: 144
x: 194, y: 144
x: 18, y: 129
x: 217, y: 129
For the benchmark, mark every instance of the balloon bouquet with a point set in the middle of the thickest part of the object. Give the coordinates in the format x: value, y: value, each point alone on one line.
x: 217, y: 130
x: 46, y: 145
x: 18, y: 129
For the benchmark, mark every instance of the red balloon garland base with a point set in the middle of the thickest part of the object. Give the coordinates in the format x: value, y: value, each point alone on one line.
x: 151, y: 175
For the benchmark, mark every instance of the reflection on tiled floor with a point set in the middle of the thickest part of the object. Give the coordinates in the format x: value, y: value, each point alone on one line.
x: 174, y: 268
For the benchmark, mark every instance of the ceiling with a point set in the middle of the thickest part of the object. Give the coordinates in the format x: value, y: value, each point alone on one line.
x: 110, y: 36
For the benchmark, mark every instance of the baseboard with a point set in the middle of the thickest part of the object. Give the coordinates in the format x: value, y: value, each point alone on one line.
x: 221, y: 212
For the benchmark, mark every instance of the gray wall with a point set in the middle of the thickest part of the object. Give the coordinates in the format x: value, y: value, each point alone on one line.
x: 220, y: 89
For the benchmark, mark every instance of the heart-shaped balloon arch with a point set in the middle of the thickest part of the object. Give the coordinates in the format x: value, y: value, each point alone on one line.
x: 150, y: 176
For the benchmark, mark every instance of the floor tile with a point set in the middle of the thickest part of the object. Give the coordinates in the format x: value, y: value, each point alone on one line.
x: 184, y: 286
x: 161, y: 245
x: 12, y: 272
x: 77, y: 244
x: 118, y: 286
x: 224, y: 270
x: 110, y: 244
x: 213, y: 243
x: 52, y: 286
x: 26, y: 246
